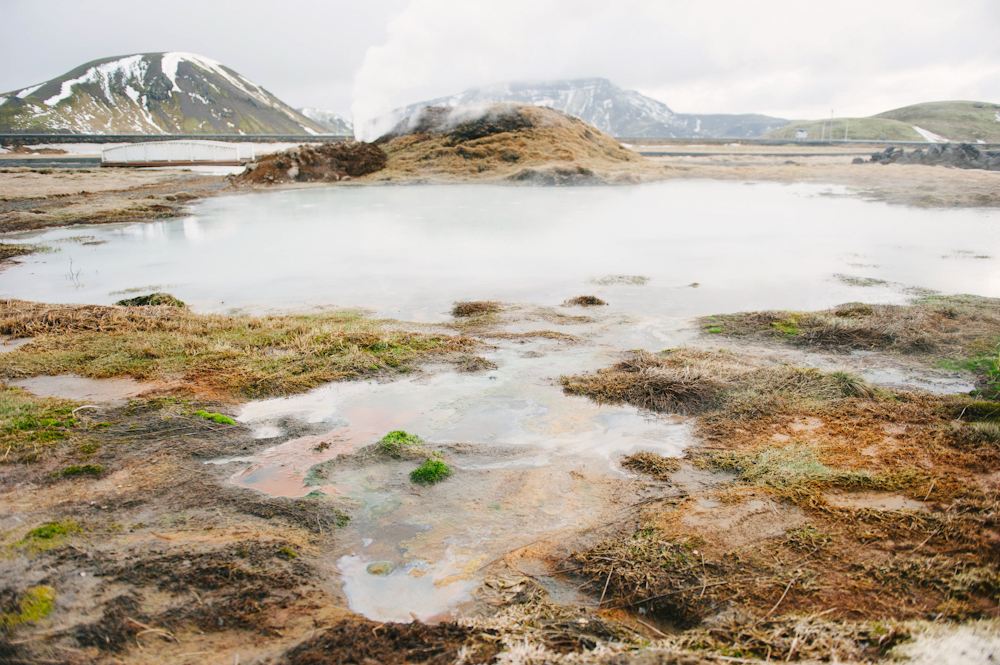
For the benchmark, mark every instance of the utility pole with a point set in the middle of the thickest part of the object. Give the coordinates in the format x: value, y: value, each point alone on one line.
x: 846, y: 127
x: 831, y: 124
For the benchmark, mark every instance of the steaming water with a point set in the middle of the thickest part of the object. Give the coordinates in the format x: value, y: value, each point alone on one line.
x: 541, y: 461
x: 409, y: 252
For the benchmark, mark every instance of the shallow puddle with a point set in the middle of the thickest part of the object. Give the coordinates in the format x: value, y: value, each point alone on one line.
x: 530, y: 464
x: 83, y: 389
x: 409, y: 252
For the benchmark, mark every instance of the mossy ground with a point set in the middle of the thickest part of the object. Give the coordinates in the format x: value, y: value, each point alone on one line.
x: 958, y: 332
x: 30, y: 426
x: 228, y: 356
x: 798, y: 531
x: 397, y: 442
x: 432, y: 471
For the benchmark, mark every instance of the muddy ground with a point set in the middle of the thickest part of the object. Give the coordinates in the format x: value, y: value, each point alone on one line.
x: 820, y: 517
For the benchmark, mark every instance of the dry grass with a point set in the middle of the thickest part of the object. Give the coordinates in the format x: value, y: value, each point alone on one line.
x: 649, y: 382
x: 584, y: 301
x: 475, y: 308
x: 939, y: 323
x: 234, y: 356
x: 651, y: 464
x: 514, y: 143
x: 793, y: 439
x: 11, y: 250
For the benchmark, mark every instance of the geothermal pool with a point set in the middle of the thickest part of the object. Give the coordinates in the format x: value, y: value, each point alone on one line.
x: 409, y: 251
x: 532, y: 465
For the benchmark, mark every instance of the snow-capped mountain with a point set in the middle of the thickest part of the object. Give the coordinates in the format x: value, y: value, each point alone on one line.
x: 613, y: 110
x: 334, y: 124
x: 152, y: 93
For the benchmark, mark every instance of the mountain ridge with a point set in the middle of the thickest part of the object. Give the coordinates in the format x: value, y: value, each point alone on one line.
x: 616, y: 111
x: 152, y: 93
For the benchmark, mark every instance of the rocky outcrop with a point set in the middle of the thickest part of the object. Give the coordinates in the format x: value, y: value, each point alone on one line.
x: 960, y: 156
x: 326, y: 162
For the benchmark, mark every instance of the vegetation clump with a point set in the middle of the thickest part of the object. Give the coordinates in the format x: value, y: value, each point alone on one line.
x: 10, y: 250
x: 30, y: 426
x: 325, y: 162
x: 476, y: 364
x: 85, y: 469
x: 152, y: 300
x: 647, y: 381
x: 215, y: 417
x: 475, y: 308
x: 584, y: 301
x: 958, y: 332
x: 395, y: 443
x: 239, y: 356
x: 651, y: 464
x: 433, y: 470
x: 33, y: 605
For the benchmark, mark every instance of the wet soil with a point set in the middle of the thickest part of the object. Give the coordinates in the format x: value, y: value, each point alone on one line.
x: 31, y: 199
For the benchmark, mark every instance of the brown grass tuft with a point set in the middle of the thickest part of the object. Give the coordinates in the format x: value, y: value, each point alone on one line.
x: 237, y: 356
x: 584, y: 301
x: 475, y: 308
x: 649, y: 382
x: 651, y: 464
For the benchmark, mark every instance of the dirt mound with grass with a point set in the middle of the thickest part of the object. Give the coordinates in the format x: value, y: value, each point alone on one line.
x: 517, y: 143
x: 326, y: 162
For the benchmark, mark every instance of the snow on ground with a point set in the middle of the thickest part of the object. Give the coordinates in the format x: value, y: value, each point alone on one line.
x: 930, y: 136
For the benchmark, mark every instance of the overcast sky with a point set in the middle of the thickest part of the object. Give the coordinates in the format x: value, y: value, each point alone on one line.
x: 792, y: 59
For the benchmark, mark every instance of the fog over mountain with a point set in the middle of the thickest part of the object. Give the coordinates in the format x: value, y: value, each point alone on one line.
x: 621, y: 113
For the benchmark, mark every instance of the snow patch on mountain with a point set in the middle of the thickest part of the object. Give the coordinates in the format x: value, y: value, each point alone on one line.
x: 158, y: 93
x: 334, y: 123
x: 134, y: 67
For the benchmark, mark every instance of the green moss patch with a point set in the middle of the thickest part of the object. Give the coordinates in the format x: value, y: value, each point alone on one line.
x: 433, y: 470
x: 395, y: 443
x: 84, y: 470
x: 32, y: 606
x: 30, y: 427
x: 215, y: 417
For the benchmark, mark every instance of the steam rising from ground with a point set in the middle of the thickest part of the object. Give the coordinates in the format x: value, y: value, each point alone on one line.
x: 784, y: 58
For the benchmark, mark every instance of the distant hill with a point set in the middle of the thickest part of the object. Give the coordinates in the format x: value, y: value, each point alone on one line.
x: 335, y: 124
x: 958, y: 121
x: 151, y: 93
x: 931, y: 121
x: 875, y: 129
x: 597, y: 101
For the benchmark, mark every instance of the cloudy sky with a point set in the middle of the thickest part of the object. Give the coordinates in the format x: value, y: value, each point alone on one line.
x: 792, y: 59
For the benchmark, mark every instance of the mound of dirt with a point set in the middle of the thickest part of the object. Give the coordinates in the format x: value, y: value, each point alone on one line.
x: 517, y: 143
x: 326, y: 162
x: 152, y: 300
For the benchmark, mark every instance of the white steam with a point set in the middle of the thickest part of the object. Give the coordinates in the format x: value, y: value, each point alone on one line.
x: 784, y: 58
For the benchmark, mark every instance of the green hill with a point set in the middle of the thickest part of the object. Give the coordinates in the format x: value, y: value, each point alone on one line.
x: 856, y: 128
x: 958, y: 121
x: 955, y: 121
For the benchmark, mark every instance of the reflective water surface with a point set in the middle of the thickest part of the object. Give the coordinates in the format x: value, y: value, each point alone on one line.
x: 531, y: 464
x: 409, y: 252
